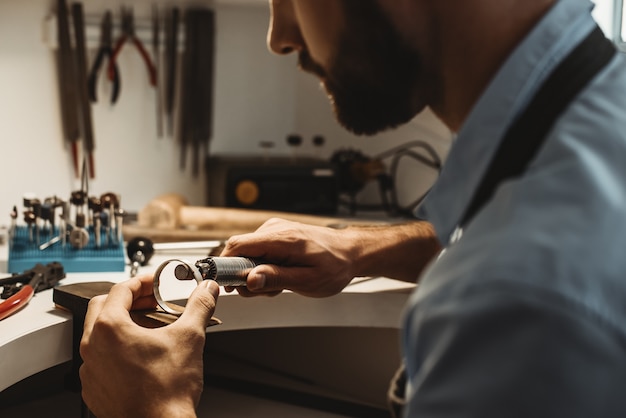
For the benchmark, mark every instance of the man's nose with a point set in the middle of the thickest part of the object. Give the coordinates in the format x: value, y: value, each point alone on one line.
x: 284, y: 35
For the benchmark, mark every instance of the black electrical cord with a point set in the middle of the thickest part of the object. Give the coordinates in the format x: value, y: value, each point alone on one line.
x: 435, y: 163
x: 387, y: 182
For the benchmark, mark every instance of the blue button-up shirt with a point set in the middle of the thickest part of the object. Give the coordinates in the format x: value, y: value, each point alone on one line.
x: 525, y: 316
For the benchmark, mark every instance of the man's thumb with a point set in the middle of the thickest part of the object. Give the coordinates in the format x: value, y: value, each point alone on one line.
x: 201, y: 304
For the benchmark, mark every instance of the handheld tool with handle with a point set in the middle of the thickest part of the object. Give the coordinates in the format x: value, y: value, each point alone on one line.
x: 67, y: 83
x: 128, y: 35
x: 20, y: 289
x: 105, y: 51
x: 170, y: 211
x: 78, y: 18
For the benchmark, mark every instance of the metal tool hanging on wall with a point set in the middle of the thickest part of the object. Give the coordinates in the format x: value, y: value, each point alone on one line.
x: 105, y: 51
x: 196, y: 115
x: 72, y: 76
x: 129, y: 35
x: 184, y: 106
x: 156, y: 55
x: 172, y: 24
x: 66, y: 69
x: 89, y: 145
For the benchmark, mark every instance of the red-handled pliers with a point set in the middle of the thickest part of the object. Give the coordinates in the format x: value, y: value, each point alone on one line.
x: 128, y: 34
x: 19, y: 289
x: 105, y: 50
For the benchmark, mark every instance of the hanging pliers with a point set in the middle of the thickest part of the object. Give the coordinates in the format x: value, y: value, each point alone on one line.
x: 128, y: 34
x: 105, y: 50
x: 19, y: 289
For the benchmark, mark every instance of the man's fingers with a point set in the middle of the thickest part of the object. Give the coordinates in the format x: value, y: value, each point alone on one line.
x: 124, y: 294
x: 93, y: 311
x: 134, y: 293
x: 200, y: 305
x: 145, y: 303
x: 271, y: 278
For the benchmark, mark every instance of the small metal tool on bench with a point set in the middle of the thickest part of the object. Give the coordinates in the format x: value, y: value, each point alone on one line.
x: 19, y: 289
x: 226, y: 271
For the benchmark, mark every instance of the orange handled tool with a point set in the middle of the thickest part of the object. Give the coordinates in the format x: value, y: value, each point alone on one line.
x: 19, y: 289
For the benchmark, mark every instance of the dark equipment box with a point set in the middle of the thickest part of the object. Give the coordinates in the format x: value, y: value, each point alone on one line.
x: 302, y: 185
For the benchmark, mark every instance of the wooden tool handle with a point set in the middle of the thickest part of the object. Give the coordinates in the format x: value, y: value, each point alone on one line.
x: 171, y: 211
x: 246, y: 219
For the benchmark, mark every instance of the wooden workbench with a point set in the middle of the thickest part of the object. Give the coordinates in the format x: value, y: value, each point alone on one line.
x: 344, y: 346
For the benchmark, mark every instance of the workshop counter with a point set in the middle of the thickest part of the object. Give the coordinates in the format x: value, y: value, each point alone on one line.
x: 40, y: 335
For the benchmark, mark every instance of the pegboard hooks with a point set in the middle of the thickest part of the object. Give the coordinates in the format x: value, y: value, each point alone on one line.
x: 143, y: 29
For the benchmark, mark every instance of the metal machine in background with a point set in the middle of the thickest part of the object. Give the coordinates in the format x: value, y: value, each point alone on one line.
x: 302, y: 186
x: 355, y: 170
x: 314, y: 185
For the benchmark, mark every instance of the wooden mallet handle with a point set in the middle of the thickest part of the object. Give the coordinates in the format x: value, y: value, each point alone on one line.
x: 171, y: 211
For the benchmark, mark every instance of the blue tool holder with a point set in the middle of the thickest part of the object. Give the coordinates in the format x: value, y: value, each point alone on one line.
x: 24, y: 253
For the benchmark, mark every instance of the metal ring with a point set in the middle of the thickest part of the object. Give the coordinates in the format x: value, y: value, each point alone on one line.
x: 171, y: 308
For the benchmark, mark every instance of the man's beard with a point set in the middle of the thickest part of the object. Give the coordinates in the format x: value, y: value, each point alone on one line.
x: 371, y: 80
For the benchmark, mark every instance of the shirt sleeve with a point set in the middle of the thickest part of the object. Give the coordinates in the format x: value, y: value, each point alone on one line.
x: 509, y: 351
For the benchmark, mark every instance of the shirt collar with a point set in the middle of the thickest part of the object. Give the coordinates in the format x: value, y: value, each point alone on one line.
x: 559, y: 31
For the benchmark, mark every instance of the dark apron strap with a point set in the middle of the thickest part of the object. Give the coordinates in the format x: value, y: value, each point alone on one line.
x: 526, y: 135
x: 524, y: 138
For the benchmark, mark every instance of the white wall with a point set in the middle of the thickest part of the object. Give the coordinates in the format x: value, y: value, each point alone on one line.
x: 254, y: 100
x: 258, y: 97
x: 315, y: 117
x: 603, y: 13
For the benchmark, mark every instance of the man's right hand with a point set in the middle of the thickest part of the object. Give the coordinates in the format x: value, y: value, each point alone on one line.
x: 320, y: 261
x: 309, y: 260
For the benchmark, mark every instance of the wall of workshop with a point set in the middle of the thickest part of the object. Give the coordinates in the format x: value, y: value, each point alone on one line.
x: 254, y: 100
x: 258, y: 97
x: 314, y: 117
